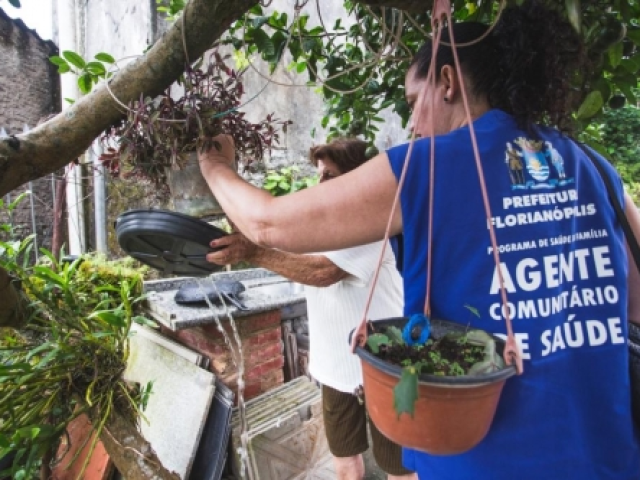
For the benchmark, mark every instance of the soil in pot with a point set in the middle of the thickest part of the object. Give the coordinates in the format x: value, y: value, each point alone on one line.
x: 447, y: 356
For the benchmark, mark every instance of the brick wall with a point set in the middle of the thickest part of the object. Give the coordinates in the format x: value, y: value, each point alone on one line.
x: 29, y: 92
x: 262, y: 350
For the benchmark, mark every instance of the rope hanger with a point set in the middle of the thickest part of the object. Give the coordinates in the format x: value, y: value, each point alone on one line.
x: 440, y: 19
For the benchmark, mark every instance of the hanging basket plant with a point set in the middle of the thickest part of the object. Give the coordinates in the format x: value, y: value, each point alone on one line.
x: 159, y: 134
x: 438, y: 392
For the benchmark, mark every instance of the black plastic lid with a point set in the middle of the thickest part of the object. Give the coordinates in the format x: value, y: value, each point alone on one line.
x: 168, y: 241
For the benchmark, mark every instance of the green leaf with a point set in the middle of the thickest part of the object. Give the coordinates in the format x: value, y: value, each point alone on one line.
x: 64, y: 69
x: 405, y: 393
x: 634, y: 36
x: 84, y: 83
x: 615, y: 54
x: 574, y: 14
x: 13, y: 205
x: 473, y: 310
x: 375, y: 340
x: 46, y: 273
x: 258, y: 22
x: 105, y: 57
x: 28, y: 432
x: 145, y: 321
x: 591, y: 105
x: 74, y: 59
x: 110, y: 317
x: 59, y: 61
x: 395, y: 335
x: 264, y: 43
x: 482, y: 368
x: 479, y: 337
x: 96, y: 68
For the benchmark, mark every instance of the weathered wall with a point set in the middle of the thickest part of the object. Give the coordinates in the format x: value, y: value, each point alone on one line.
x: 122, y: 29
x: 29, y: 92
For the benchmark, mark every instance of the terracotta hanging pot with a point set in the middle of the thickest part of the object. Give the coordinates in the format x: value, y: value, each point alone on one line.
x: 190, y: 193
x: 452, y: 414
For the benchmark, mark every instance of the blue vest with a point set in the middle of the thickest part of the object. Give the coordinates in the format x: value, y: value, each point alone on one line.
x: 563, y: 258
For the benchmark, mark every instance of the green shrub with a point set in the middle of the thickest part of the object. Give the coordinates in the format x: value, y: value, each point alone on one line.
x: 287, y: 180
x: 69, y: 357
x: 621, y: 139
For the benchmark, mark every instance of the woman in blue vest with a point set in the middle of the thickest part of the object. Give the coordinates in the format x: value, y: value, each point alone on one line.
x: 563, y: 256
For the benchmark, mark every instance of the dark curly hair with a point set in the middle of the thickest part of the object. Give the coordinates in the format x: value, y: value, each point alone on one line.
x: 525, y: 66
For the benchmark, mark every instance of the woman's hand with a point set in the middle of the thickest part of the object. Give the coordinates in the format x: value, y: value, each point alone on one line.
x: 225, y: 155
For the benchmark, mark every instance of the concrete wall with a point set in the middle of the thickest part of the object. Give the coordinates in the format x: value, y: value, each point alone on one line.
x: 29, y: 92
x: 120, y: 28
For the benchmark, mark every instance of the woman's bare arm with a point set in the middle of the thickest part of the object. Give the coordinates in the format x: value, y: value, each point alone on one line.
x: 352, y: 209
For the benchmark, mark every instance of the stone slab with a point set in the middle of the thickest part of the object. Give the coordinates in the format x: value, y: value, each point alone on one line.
x: 178, y: 406
x: 162, y: 307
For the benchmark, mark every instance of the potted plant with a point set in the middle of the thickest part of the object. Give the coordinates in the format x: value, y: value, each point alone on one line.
x: 159, y: 137
x: 437, y: 393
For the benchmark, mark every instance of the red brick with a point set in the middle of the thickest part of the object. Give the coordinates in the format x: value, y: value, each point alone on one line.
x: 261, y: 321
x: 259, y: 355
x: 263, y: 338
x: 253, y: 374
x: 274, y: 364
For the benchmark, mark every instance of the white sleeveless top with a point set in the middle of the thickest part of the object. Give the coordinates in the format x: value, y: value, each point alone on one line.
x: 336, y: 310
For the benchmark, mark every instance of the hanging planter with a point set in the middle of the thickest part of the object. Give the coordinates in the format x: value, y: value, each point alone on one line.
x: 160, y: 136
x: 190, y: 193
x: 433, y: 413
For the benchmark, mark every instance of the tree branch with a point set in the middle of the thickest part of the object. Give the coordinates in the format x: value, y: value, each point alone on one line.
x: 412, y: 6
x: 66, y: 136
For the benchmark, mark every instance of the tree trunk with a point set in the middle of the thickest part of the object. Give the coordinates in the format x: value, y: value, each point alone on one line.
x: 131, y: 453
x: 14, y: 310
x: 58, y: 236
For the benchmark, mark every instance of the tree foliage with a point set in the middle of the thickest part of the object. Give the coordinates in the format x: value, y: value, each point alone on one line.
x: 621, y: 137
x: 360, y: 65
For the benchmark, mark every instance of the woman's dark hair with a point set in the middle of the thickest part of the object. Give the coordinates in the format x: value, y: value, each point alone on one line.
x: 524, y: 66
x: 346, y: 153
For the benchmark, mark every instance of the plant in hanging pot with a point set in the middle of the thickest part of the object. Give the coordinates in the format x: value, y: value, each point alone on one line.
x: 436, y: 393
x: 159, y: 137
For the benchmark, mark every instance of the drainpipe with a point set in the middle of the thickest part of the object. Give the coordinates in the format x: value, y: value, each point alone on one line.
x: 99, y: 197
x: 68, y: 40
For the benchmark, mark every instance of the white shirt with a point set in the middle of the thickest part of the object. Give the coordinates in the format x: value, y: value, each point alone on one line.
x: 336, y: 310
